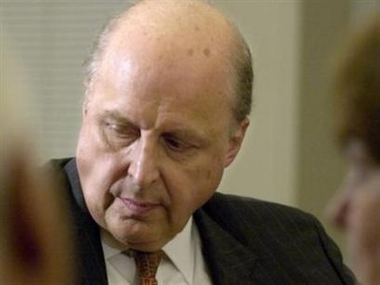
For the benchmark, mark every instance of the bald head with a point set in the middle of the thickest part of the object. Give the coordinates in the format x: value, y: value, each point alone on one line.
x: 171, y: 31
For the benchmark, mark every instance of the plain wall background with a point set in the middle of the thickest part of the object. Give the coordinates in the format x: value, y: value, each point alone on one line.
x: 288, y: 156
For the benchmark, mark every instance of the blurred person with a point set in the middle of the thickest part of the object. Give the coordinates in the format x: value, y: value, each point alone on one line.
x: 166, y: 109
x: 356, y: 208
x: 35, y: 247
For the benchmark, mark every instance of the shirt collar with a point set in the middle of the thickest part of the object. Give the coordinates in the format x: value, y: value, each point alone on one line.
x: 180, y: 250
x: 109, y: 249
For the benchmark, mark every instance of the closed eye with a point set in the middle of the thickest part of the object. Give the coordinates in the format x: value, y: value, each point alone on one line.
x: 118, y: 134
x: 121, y: 130
x: 176, y: 144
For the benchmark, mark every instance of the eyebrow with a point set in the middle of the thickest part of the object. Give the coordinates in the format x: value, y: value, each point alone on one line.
x: 115, y: 116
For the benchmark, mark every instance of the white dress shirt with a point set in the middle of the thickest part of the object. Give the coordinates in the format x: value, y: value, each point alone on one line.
x: 183, y: 262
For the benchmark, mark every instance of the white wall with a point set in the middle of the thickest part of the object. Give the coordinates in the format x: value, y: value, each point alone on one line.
x: 266, y: 165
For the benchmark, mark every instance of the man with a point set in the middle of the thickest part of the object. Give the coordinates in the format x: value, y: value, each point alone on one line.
x: 168, y: 95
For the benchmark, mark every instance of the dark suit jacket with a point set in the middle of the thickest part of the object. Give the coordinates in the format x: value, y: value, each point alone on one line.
x: 244, y: 241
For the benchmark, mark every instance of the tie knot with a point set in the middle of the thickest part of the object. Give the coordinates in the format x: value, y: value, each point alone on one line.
x: 147, y: 265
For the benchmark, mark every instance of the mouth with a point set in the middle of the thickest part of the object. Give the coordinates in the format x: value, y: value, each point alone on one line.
x: 138, y: 208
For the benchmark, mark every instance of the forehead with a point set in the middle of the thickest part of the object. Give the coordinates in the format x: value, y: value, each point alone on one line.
x: 151, y: 96
x: 170, y: 58
x: 167, y: 66
x: 185, y: 70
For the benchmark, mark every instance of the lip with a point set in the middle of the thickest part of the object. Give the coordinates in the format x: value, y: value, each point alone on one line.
x: 138, y: 208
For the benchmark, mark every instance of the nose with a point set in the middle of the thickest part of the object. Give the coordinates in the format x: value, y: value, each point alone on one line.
x: 338, y: 210
x: 143, y: 166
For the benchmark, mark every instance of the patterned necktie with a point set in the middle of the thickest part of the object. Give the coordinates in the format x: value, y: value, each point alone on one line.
x: 147, y: 265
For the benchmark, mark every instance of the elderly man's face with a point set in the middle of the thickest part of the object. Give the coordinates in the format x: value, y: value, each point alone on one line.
x: 155, y: 139
x: 357, y: 210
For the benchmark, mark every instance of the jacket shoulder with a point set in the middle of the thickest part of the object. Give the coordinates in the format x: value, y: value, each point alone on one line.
x: 251, y: 220
x: 242, y: 210
x: 293, y: 238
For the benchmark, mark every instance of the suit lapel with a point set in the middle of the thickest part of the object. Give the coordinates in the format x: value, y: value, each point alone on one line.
x: 229, y: 261
x: 91, y: 260
x: 237, y: 255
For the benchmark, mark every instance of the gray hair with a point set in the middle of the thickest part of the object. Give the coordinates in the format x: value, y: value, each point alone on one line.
x: 94, y: 59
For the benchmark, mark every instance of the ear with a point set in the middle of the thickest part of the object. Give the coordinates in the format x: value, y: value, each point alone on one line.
x: 84, y: 107
x: 88, y: 101
x: 235, y: 142
x: 87, y: 97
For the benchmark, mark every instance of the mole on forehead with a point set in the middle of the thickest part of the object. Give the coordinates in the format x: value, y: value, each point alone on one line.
x: 167, y: 40
x: 205, y: 51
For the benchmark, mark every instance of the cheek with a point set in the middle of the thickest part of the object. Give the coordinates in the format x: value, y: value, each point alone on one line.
x: 97, y: 167
x: 197, y: 184
x: 97, y: 171
x: 366, y: 221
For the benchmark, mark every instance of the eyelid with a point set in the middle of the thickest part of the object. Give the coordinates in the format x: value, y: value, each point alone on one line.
x: 115, y: 118
x: 183, y: 144
x: 119, y: 123
x: 118, y: 134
